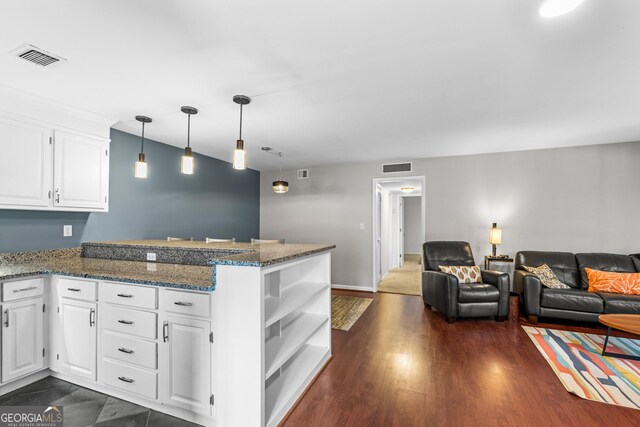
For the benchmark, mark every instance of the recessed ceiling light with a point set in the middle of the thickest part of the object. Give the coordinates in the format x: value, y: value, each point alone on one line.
x: 553, y: 8
x: 407, y: 189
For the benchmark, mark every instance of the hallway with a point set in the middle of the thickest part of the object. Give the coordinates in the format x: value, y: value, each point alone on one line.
x: 404, y: 280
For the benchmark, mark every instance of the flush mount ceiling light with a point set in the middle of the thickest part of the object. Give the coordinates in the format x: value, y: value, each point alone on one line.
x: 407, y: 189
x: 279, y: 186
x: 239, y: 155
x: 553, y: 8
x: 187, y: 163
x: 140, y: 167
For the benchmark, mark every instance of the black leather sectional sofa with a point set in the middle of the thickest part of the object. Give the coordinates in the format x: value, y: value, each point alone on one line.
x: 576, y: 303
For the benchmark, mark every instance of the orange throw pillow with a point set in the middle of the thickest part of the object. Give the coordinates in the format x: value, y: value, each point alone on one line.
x: 615, y: 283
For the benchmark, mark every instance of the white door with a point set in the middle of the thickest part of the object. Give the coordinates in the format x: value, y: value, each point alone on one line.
x: 81, y: 171
x: 185, y: 364
x: 79, y: 346
x: 401, y: 230
x: 22, y: 338
x: 378, y: 235
x: 25, y: 163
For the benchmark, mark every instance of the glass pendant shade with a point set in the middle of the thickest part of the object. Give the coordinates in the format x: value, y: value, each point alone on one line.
x: 239, y: 156
x: 140, y: 167
x: 280, y: 186
x: 187, y: 163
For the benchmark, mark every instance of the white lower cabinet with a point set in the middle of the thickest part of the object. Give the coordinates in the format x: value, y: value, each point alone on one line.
x: 79, y: 338
x: 185, y: 363
x: 22, y: 338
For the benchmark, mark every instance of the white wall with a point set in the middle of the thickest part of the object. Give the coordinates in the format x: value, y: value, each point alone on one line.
x: 570, y: 199
x: 412, y: 228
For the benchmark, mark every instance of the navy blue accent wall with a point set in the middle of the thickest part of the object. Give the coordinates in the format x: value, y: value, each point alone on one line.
x: 217, y: 201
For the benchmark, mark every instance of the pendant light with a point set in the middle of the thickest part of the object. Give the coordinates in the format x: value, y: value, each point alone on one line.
x: 140, y: 167
x: 280, y: 186
x: 239, y: 155
x: 187, y: 162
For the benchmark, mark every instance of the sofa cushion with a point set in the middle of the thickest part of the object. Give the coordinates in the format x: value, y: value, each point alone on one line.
x: 478, y: 292
x: 613, y: 283
x: 636, y: 261
x: 617, y: 303
x: 465, y: 274
x: 563, y: 264
x: 572, y: 299
x: 603, y: 262
x: 546, y: 276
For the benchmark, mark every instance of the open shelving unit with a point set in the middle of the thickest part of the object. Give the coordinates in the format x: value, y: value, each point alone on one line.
x: 297, y: 332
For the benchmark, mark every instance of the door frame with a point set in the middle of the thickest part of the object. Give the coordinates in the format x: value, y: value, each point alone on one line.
x: 374, y: 208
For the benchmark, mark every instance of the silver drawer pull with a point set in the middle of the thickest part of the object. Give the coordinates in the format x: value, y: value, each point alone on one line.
x: 126, y: 380
x: 25, y: 289
x: 125, y: 350
x: 184, y: 304
x: 125, y: 322
x: 125, y: 296
x: 73, y: 289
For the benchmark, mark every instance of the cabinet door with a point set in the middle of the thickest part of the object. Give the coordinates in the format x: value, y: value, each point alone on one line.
x: 25, y: 164
x: 186, y: 364
x: 22, y: 338
x: 81, y: 171
x: 79, y: 335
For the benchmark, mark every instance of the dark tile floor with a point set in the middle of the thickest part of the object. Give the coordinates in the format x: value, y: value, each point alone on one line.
x: 84, y: 407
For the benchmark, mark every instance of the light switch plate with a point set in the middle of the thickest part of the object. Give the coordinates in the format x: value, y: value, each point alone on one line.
x: 67, y: 230
x: 151, y: 256
x: 362, y: 226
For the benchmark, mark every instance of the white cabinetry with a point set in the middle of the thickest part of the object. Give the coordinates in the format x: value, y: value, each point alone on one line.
x: 186, y: 363
x: 22, y: 338
x: 79, y: 338
x: 25, y: 164
x: 81, y: 171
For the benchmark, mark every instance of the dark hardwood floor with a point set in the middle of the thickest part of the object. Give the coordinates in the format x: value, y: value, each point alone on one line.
x: 402, y: 365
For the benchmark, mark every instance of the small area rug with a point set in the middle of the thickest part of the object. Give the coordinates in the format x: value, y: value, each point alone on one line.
x: 575, y: 358
x: 345, y: 311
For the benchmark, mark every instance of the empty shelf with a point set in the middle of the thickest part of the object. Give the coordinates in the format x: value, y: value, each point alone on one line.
x: 290, y: 300
x: 279, y: 349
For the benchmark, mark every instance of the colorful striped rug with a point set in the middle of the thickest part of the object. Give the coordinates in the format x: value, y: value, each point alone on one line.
x: 576, y: 360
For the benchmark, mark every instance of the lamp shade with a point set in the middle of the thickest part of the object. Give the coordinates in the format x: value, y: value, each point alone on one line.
x: 495, y: 236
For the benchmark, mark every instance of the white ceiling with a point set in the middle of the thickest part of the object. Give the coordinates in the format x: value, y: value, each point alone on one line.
x: 340, y: 81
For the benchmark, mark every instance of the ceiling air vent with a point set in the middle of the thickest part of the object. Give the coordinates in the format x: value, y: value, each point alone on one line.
x: 36, y: 55
x: 303, y: 173
x: 397, y: 167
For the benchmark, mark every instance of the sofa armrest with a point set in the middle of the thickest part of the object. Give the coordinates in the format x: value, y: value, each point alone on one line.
x: 531, y: 292
x: 500, y: 280
x: 440, y: 290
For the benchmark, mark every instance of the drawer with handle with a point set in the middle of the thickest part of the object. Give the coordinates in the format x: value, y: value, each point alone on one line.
x: 77, y: 289
x: 134, y: 322
x: 185, y: 303
x: 133, y: 296
x: 131, y: 350
x: 22, y: 289
x: 130, y: 379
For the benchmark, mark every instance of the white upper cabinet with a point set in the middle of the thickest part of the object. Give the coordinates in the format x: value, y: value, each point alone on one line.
x: 25, y: 164
x: 81, y: 171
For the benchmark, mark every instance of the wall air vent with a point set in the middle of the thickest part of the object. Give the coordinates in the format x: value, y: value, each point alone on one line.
x: 397, y: 167
x: 36, y: 55
x: 303, y: 173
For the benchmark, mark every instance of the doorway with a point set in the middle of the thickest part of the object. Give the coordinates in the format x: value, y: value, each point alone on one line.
x: 399, y: 231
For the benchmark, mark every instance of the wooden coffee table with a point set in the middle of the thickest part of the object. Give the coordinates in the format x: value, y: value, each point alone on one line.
x: 624, y: 322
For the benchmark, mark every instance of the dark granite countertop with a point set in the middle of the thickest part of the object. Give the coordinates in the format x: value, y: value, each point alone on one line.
x: 242, y: 254
x: 68, y: 262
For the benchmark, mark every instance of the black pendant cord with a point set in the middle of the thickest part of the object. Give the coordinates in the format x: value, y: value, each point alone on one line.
x: 189, y: 130
x: 240, y: 121
x: 142, y: 148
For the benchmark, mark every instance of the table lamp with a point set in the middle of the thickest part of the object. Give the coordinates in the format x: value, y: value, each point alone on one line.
x: 495, y: 237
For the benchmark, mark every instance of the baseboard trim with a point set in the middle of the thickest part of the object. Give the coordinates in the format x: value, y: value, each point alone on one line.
x: 353, y: 288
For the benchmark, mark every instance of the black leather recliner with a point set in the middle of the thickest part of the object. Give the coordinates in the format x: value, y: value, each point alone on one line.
x: 443, y: 292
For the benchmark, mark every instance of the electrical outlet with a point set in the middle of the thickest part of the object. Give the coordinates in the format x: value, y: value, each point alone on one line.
x: 67, y: 230
x: 151, y: 256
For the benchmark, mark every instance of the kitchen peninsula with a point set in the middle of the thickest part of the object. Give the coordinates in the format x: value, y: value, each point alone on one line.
x: 222, y: 334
